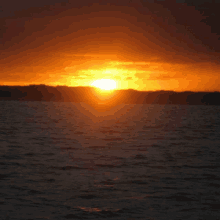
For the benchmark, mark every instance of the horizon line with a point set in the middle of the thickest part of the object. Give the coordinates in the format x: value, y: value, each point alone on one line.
x: 177, y: 91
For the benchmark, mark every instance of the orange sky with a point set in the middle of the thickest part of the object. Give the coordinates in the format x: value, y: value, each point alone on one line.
x: 141, y: 44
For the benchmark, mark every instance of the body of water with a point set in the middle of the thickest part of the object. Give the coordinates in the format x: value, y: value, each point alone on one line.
x: 69, y: 161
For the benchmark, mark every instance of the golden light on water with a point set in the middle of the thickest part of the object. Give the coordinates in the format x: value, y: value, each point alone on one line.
x: 105, y: 94
x: 105, y: 84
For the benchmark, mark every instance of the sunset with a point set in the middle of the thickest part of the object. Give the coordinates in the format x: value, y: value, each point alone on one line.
x: 104, y: 84
x: 110, y: 109
x: 165, y: 45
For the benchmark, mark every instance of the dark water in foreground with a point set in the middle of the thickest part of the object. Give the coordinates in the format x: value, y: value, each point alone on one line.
x: 66, y: 161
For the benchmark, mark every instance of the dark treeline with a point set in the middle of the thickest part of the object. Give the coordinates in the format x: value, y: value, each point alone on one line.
x: 89, y: 95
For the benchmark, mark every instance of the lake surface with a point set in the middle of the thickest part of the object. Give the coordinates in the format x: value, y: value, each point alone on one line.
x: 69, y: 161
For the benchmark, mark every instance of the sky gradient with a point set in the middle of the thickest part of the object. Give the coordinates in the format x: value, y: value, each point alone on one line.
x: 141, y: 44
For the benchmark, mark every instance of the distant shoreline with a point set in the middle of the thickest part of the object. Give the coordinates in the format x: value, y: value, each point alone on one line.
x: 90, y: 96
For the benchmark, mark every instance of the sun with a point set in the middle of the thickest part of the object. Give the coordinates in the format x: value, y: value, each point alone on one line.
x: 105, y: 84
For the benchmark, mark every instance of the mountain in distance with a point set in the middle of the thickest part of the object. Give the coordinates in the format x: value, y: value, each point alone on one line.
x: 91, y: 96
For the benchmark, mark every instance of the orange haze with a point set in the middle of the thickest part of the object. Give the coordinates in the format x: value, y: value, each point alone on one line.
x: 138, y: 44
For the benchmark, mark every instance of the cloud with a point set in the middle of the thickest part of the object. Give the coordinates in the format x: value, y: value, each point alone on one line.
x: 116, y: 63
x: 141, y: 39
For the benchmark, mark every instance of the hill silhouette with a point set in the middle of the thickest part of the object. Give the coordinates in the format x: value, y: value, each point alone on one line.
x: 91, y: 96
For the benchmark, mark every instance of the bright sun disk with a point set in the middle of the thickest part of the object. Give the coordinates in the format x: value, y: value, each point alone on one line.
x: 105, y: 84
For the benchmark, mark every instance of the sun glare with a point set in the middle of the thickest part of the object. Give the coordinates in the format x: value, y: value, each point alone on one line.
x: 105, y: 84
